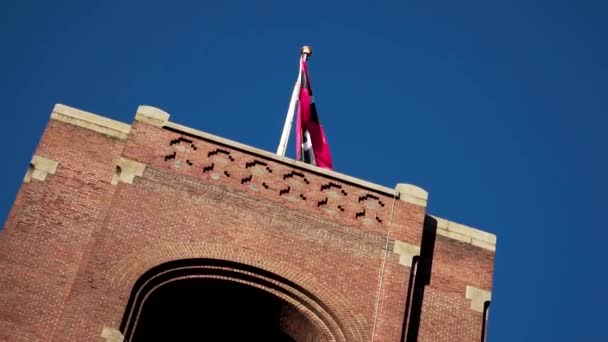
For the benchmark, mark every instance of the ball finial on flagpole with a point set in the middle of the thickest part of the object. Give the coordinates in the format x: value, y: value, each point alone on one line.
x: 306, y: 50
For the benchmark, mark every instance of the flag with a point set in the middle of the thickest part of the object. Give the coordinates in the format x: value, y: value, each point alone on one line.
x: 311, y: 143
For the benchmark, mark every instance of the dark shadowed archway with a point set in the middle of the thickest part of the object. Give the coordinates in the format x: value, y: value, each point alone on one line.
x: 210, y: 299
x: 198, y: 308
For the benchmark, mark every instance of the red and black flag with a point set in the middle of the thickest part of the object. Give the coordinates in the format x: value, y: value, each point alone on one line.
x: 311, y: 143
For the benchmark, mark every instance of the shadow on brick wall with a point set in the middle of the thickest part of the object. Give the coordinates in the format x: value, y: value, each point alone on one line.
x: 420, y: 277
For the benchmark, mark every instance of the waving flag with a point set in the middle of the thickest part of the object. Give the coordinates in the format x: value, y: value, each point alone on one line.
x: 311, y: 143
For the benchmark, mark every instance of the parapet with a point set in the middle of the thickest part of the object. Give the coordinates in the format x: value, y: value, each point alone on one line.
x: 157, y: 117
x: 91, y: 121
x: 405, y: 192
x: 460, y: 232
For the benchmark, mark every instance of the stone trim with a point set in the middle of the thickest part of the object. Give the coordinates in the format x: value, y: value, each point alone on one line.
x: 478, y: 297
x: 39, y: 168
x: 152, y: 115
x: 412, y: 194
x: 159, y: 118
x: 94, y: 122
x: 127, y: 170
x: 469, y: 235
x: 111, y: 334
x: 406, y: 252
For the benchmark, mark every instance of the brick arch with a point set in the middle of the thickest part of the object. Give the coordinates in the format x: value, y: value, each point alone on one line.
x: 320, y: 330
x: 314, y: 294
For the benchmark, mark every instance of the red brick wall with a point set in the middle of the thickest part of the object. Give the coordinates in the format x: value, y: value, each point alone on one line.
x: 49, y: 227
x: 74, y: 245
x: 455, y: 265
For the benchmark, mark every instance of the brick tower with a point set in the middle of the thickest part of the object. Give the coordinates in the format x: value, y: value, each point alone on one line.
x: 159, y: 232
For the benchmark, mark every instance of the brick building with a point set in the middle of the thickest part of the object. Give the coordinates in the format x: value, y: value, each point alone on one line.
x: 159, y: 232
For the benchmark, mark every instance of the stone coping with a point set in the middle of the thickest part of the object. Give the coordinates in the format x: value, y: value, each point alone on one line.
x: 91, y: 121
x: 157, y: 117
x: 460, y: 232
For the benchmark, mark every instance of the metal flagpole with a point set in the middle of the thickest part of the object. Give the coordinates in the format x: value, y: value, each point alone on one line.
x: 305, y: 52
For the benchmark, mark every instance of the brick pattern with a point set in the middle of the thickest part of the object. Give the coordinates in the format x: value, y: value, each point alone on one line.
x: 446, y: 317
x: 299, y: 328
x: 173, y: 227
x: 74, y: 245
x: 308, y: 307
x: 456, y: 265
x: 221, y: 165
x: 48, y: 229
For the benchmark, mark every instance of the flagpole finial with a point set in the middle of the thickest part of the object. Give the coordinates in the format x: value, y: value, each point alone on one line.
x: 306, y: 50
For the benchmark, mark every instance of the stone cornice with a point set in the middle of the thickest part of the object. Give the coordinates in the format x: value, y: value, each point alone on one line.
x: 91, y: 121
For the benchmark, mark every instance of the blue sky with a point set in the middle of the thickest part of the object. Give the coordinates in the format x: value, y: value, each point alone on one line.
x: 497, y: 108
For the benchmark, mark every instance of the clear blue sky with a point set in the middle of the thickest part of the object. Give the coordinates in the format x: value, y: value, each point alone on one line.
x: 497, y: 108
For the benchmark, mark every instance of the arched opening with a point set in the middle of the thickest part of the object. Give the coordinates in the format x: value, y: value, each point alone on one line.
x: 198, y: 308
x: 209, y: 299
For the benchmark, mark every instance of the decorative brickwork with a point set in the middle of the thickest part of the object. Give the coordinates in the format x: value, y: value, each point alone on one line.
x: 204, y: 160
x: 128, y: 211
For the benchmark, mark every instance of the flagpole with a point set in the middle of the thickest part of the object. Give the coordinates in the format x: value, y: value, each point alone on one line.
x: 305, y: 52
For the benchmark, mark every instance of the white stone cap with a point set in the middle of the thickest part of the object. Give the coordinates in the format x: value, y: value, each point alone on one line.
x: 412, y: 194
x: 90, y: 121
x: 460, y: 232
x: 152, y: 115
